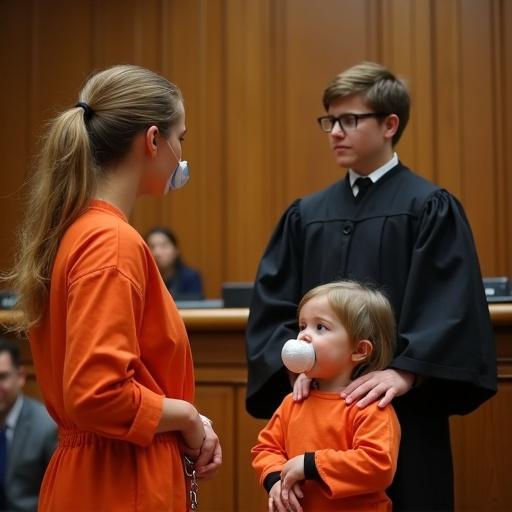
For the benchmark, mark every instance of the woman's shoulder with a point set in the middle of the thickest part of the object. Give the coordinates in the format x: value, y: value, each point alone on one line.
x: 99, y: 240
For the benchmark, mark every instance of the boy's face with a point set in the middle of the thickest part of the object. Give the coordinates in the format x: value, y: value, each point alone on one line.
x: 320, y: 326
x: 369, y: 145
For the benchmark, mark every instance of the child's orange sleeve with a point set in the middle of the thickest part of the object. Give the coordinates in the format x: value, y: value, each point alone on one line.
x: 269, y: 453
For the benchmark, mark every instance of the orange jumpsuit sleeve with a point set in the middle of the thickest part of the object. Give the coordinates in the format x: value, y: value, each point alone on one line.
x: 369, y: 466
x: 102, y: 356
x: 269, y: 453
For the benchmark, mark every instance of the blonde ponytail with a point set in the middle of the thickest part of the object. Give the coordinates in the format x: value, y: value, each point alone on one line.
x: 58, y: 192
x: 78, y: 147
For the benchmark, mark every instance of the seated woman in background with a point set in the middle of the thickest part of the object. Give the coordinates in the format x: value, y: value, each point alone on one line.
x: 184, y: 283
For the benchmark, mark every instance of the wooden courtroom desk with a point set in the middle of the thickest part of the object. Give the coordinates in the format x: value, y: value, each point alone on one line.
x: 482, y: 441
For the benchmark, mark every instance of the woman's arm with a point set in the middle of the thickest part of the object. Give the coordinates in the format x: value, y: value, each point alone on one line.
x: 182, y: 416
x: 101, y: 393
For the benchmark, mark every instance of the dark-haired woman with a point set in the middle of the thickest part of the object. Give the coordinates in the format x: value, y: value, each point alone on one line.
x: 183, y: 282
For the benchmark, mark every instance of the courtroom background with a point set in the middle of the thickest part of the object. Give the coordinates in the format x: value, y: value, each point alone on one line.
x: 252, y: 73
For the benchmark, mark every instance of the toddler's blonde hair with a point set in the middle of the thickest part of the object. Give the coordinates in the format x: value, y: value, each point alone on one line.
x: 366, y: 314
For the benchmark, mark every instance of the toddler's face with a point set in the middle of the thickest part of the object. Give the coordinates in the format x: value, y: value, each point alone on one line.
x: 320, y: 326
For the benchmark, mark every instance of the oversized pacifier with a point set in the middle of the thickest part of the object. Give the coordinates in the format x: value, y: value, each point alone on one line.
x: 298, y: 356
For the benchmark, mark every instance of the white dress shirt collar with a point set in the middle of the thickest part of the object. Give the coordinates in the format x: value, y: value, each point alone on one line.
x: 375, y: 175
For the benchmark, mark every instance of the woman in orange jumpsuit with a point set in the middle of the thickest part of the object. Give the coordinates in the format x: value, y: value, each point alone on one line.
x: 111, y: 352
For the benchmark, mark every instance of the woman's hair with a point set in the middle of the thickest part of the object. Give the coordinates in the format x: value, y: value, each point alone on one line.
x: 380, y: 89
x: 78, y: 147
x: 366, y: 314
x: 160, y: 230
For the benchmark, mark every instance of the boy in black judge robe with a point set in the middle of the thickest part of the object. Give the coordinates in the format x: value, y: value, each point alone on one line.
x: 384, y: 225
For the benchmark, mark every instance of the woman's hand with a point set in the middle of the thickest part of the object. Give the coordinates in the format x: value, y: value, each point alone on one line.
x: 194, y: 434
x: 301, y: 387
x: 384, y: 385
x: 210, y: 455
x: 291, y: 474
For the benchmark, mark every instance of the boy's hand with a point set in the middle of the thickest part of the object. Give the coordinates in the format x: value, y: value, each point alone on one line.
x: 374, y: 385
x: 291, y: 474
x: 301, y: 387
x: 275, y: 502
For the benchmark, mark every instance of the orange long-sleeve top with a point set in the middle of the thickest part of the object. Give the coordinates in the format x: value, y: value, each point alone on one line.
x: 110, y: 346
x: 355, y: 451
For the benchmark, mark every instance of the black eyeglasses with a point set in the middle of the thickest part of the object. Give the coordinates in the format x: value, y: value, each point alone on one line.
x: 347, y: 122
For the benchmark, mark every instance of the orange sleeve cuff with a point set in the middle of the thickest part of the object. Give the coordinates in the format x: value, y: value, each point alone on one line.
x: 147, y: 418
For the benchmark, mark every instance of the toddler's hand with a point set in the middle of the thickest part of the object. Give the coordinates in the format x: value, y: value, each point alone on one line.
x: 301, y: 387
x: 291, y: 474
x: 275, y: 503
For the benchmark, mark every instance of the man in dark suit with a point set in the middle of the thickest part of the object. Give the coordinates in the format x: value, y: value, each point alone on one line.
x: 27, y: 436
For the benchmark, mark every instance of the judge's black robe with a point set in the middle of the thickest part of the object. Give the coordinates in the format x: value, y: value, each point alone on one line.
x: 412, y: 240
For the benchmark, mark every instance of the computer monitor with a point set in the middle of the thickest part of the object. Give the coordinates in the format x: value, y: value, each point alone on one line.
x: 237, y: 294
x: 498, y: 289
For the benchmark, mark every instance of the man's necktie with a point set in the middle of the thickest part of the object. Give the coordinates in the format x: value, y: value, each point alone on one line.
x: 364, y: 185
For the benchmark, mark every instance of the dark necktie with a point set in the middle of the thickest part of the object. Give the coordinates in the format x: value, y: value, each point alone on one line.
x: 364, y: 185
x: 3, y: 466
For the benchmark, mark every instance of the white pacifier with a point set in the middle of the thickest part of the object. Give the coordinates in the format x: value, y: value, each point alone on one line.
x: 298, y: 356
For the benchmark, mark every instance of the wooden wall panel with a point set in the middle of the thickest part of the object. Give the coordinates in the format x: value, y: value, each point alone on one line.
x: 15, y: 141
x: 218, y: 403
x: 61, y: 57
x: 479, y: 125
x: 248, y: 487
x: 505, y: 108
x: 502, y: 109
x: 252, y: 73
x: 319, y: 43
x: 407, y: 50
x: 448, y: 120
x: 398, y: 53
x: 248, y: 132
x: 487, y: 486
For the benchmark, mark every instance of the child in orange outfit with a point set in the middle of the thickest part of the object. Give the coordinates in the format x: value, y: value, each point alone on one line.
x: 320, y: 454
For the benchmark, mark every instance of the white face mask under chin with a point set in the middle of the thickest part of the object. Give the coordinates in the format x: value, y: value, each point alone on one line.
x: 179, y: 176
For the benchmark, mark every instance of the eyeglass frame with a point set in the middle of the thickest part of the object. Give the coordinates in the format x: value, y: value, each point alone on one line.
x: 335, y: 120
